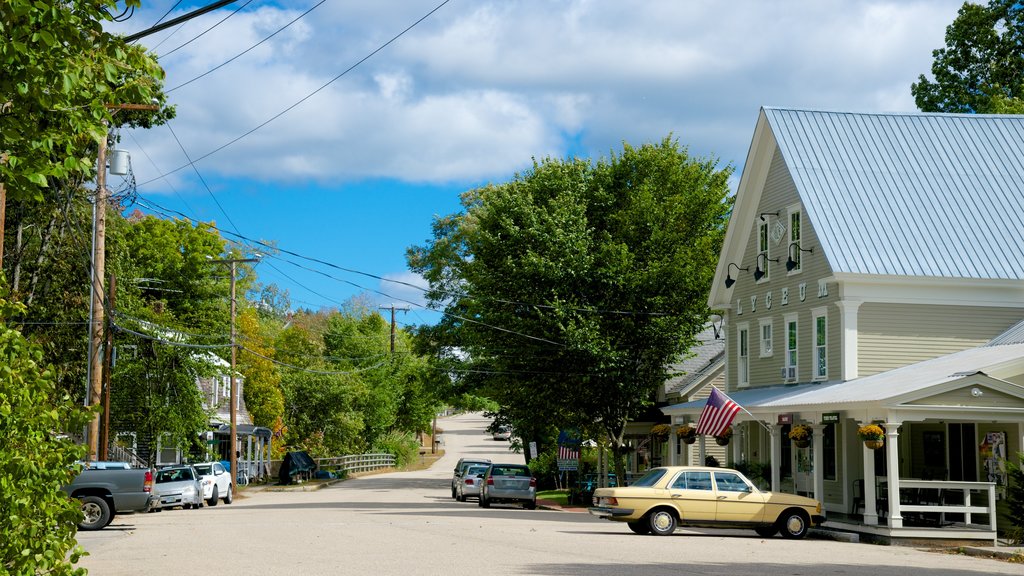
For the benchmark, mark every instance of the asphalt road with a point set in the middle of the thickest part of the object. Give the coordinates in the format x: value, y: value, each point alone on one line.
x: 407, y: 524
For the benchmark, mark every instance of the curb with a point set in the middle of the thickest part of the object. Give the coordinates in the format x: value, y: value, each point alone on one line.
x: 1016, y: 554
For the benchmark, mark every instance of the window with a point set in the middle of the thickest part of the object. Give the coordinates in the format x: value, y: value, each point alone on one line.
x: 729, y: 482
x: 820, y: 343
x: 692, y: 481
x: 766, y: 337
x: 762, y: 248
x: 743, y: 356
x: 794, y: 238
x: 166, y: 451
x: 791, y: 347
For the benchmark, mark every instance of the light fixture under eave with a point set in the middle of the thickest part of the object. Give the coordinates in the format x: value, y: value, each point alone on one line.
x: 791, y: 262
x: 716, y: 321
x: 729, y: 280
x: 758, y: 272
x: 763, y: 214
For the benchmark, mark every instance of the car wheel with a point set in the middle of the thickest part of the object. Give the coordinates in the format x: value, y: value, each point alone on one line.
x: 662, y: 522
x: 793, y: 524
x: 230, y: 497
x: 213, y: 499
x: 484, y: 502
x: 460, y: 497
x: 530, y: 504
x: 766, y: 531
x: 186, y: 506
x: 640, y: 527
x: 96, y: 512
x: 453, y: 491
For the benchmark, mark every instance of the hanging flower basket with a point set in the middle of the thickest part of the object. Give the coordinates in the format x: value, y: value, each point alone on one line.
x: 872, y: 435
x: 801, y: 435
x: 687, y: 433
x: 723, y: 438
x: 661, y: 430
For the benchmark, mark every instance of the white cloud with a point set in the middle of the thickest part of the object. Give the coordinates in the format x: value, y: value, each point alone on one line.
x: 479, y: 88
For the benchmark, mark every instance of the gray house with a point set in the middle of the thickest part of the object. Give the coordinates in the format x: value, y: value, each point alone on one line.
x: 873, y: 273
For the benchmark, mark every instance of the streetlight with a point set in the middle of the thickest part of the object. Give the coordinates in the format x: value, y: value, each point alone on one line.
x: 233, y: 448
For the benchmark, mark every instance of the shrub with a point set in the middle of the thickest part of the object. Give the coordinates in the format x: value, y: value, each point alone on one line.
x: 710, y: 460
x: 37, y: 535
x: 1015, y: 498
x: 403, y: 445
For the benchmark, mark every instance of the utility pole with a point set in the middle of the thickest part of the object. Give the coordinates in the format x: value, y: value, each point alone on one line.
x: 108, y: 367
x: 233, y: 449
x: 99, y: 252
x: 393, y: 307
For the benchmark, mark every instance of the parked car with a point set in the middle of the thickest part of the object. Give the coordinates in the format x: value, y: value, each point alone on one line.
x: 460, y: 469
x: 110, y: 490
x: 469, y: 485
x: 502, y: 433
x: 508, y: 483
x: 215, y: 482
x: 665, y: 498
x: 178, y: 486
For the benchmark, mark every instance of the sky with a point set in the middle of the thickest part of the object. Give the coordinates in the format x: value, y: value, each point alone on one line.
x: 342, y: 136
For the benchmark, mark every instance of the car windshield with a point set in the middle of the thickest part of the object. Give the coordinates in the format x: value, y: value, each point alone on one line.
x: 509, y: 471
x: 205, y: 469
x: 476, y: 470
x: 649, y: 479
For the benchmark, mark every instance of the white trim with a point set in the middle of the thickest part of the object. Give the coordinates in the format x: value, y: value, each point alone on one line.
x: 766, y: 226
x: 816, y: 313
x: 789, y: 361
x: 134, y: 446
x: 741, y: 328
x: 769, y: 352
x: 930, y: 290
x: 160, y: 450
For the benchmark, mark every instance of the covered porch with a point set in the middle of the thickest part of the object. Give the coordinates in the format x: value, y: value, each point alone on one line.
x: 949, y: 425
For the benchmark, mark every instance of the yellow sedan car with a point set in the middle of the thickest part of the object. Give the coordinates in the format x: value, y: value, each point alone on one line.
x: 668, y: 497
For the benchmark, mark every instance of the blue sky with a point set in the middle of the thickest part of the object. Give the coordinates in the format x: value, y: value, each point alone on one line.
x: 356, y: 172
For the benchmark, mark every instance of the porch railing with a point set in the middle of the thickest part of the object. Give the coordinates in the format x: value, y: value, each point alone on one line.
x: 940, y: 498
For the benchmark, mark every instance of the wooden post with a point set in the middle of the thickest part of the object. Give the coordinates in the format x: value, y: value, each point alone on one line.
x: 97, y: 320
x: 108, y: 367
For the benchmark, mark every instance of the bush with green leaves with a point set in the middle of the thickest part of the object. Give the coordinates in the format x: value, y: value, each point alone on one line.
x: 403, y: 445
x: 37, y: 534
x: 1015, y: 499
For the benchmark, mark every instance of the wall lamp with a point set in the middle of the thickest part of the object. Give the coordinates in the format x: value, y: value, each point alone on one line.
x: 763, y: 214
x: 791, y: 263
x: 758, y: 272
x: 729, y: 280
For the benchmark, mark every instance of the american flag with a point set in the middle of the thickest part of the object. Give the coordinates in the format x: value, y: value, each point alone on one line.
x: 568, y: 453
x: 718, y: 414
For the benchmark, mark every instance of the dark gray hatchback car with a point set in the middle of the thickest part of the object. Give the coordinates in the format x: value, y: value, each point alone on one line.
x: 508, y: 483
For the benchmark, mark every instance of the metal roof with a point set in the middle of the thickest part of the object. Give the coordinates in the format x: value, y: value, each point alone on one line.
x: 875, y: 388
x: 938, y: 195
x: 1014, y: 335
x: 704, y: 357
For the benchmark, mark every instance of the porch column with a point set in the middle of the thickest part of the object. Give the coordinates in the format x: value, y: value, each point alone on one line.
x: 701, y: 453
x: 738, y: 444
x: 776, y: 458
x: 817, y: 467
x: 870, y: 498
x: 892, y: 465
x: 848, y: 328
x: 673, y: 447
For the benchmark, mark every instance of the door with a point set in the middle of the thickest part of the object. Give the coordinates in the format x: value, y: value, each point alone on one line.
x: 693, y: 496
x: 736, y: 500
x: 963, y: 453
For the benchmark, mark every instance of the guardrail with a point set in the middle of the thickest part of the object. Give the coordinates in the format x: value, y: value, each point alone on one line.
x: 355, y: 463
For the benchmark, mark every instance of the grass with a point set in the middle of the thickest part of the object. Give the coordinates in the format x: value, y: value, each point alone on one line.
x: 559, y: 496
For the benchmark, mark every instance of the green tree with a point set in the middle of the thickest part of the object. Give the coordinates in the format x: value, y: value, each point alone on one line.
x: 62, y: 71
x: 981, y: 69
x: 37, y: 535
x: 262, y: 389
x: 571, y: 288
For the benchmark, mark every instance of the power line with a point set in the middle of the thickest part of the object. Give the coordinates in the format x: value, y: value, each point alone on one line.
x: 242, y: 53
x: 201, y: 179
x: 201, y: 34
x: 308, y: 96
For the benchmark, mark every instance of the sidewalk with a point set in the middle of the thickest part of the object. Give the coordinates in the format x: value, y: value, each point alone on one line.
x: 1011, y: 553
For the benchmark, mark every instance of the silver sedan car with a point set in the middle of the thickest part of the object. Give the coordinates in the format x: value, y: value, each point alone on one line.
x: 178, y: 486
x: 469, y: 483
x: 511, y: 483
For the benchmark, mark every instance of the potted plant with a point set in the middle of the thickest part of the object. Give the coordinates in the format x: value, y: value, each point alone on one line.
x: 801, y: 435
x: 723, y: 438
x: 687, y: 433
x: 872, y: 435
x: 661, y: 430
